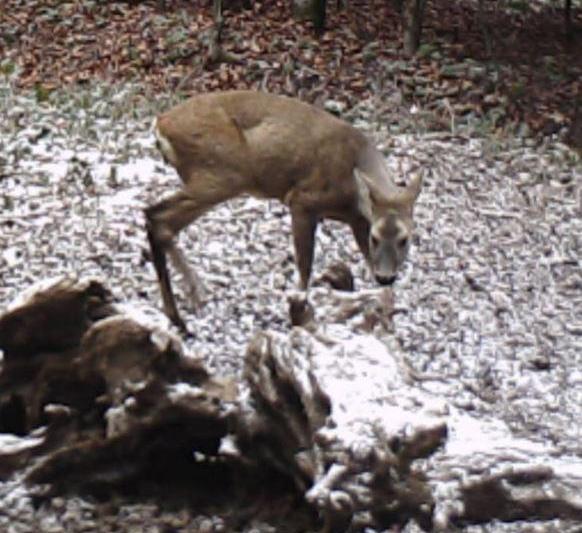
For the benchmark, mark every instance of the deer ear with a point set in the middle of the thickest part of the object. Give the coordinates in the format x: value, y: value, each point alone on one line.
x: 414, y: 187
x: 364, y: 195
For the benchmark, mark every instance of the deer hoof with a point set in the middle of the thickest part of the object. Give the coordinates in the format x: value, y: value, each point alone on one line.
x: 178, y: 322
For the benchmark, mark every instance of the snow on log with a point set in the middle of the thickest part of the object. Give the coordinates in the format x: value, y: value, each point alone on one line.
x: 347, y: 427
x: 327, y: 426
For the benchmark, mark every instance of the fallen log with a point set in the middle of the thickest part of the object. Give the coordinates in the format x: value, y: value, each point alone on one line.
x: 327, y: 426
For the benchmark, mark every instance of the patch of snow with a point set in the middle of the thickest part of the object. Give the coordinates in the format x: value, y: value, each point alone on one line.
x: 367, y: 393
x: 126, y: 199
x: 11, y: 444
x: 469, y: 436
x: 228, y: 446
x: 145, y: 315
x: 179, y: 391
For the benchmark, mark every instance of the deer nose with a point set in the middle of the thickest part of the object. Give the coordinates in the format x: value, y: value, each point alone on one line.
x: 385, y: 280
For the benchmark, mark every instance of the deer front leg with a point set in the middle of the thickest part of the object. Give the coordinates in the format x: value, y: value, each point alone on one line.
x: 304, y: 224
x: 361, y: 230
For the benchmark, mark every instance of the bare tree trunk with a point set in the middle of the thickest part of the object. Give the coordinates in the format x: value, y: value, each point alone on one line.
x: 412, y: 13
x: 485, y: 29
x: 319, y: 15
x: 218, y: 18
x: 568, y: 18
x: 313, y: 10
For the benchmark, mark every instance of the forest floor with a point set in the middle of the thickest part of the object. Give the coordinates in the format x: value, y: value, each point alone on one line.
x: 487, y: 308
x: 488, y: 304
x: 508, y: 68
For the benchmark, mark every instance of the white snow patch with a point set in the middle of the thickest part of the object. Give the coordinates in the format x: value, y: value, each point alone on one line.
x: 365, y: 386
x: 567, y: 466
x: 145, y: 315
x: 56, y: 171
x: 11, y: 444
x: 179, y: 391
x: 11, y: 256
x: 142, y: 169
x: 468, y: 436
x: 126, y: 198
x: 214, y: 248
x: 228, y: 446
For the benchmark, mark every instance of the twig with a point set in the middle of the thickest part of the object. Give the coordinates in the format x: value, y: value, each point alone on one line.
x: 498, y: 214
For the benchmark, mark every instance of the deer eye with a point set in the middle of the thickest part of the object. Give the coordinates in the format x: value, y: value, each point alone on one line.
x: 402, y: 242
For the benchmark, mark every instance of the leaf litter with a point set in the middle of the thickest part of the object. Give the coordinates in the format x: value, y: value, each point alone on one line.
x: 497, y: 66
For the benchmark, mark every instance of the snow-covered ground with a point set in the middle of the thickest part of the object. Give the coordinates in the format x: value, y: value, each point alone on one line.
x: 489, y: 306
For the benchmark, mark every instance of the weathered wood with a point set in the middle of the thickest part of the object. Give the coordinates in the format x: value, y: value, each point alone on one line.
x: 333, y: 424
x: 52, y: 318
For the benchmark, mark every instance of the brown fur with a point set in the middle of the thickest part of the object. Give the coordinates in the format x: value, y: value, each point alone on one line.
x: 241, y: 142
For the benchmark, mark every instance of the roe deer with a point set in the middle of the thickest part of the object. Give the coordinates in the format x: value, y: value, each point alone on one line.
x: 242, y: 142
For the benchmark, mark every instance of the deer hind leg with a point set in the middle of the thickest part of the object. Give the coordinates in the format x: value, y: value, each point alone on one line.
x: 164, y: 221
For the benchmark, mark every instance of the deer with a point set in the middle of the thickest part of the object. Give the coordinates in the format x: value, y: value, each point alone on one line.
x: 227, y: 144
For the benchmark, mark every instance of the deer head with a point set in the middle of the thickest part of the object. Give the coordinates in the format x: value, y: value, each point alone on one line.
x: 389, y: 213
